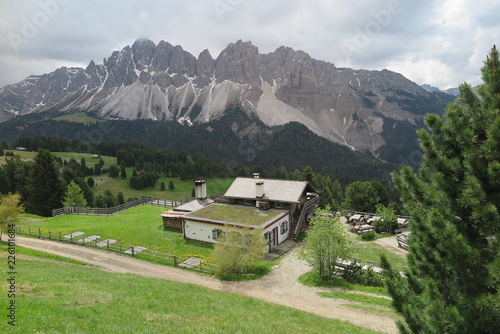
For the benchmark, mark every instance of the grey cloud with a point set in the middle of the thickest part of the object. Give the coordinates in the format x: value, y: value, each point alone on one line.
x: 91, y: 30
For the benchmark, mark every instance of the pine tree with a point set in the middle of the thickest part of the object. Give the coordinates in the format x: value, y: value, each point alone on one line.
x: 365, y: 195
x: 74, y: 196
x: 123, y: 172
x: 45, y: 190
x: 120, y: 198
x: 171, y: 186
x: 454, y: 277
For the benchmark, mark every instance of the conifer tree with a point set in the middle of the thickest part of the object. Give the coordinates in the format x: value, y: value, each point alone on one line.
x: 74, y: 196
x: 45, y: 189
x: 454, y: 266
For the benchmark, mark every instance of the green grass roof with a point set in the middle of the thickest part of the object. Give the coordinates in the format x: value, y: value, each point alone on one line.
x: 236, y: 214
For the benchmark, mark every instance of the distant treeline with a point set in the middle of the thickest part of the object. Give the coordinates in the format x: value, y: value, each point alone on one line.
x: 292, y: 146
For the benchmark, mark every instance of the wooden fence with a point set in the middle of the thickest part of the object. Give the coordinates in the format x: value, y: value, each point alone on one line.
x: 168, y: 259
x: 115, y: 209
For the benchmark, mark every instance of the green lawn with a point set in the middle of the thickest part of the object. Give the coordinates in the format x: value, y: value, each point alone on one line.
x: 358, y: 298
x: 25, y: 156
x: 312, y: 278
x: 58, y: 297
x: 182, y: 188
x: 368, y: 298
x: 140, y: 226
x: 28, y: 156
x: 79, y: 117
x: 360, y: 301
x: 372, y: 251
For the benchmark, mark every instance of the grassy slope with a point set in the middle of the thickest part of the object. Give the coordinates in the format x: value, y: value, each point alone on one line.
x: 372, y: 251
x: 182, y: 188
x: 68, y: 298
x: 141, y: 226
x: 80, y: 117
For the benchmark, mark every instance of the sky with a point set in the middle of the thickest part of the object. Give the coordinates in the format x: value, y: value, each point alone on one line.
x: 442, y: 43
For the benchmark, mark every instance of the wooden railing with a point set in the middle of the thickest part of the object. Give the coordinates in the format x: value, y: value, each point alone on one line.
x: 147, y: 254
x: 115, y: 209
x: 309, y: 206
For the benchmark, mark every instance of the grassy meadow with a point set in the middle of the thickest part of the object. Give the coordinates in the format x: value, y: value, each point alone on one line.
x: 79, y: 117
x: 140, y: 226
x: 54, y: 296
x: 370, y: 251
x: 182, y: 188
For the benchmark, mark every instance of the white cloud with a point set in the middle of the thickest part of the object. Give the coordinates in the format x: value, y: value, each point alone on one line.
x: 439, y: 43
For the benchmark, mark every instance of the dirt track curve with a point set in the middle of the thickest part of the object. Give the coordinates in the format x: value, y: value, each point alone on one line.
x: 280, y: 286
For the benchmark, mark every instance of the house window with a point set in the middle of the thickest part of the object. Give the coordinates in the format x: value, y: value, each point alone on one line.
x: 284, y: 227
x: 248, y: 202
x: 278, y: 205
x: 216, y: 233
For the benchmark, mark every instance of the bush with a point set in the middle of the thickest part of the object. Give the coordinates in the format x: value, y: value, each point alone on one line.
x: 354, y: 273
x: 367, y: 236
x: 381, y: 226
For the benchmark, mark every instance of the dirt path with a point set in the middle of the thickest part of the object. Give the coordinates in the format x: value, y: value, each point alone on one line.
x: 280, y: 286
x: 391, y: 244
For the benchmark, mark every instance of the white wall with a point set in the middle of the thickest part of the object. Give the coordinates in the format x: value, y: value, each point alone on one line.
x: 200, y: 231
x: 203, y: 231
x: 281, y: 237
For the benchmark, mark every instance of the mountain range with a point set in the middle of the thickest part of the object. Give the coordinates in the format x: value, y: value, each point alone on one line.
x: 360, y: 109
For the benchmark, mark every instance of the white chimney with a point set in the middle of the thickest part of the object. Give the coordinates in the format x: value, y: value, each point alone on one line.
x: 256, y: 175
x: 200, y: 189
x: 204, y: 190
x: 259, y: 189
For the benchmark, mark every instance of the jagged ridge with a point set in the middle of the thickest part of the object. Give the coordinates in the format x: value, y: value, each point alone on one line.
x: 164, y: 82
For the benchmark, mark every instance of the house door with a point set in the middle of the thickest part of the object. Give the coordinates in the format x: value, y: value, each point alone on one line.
x: 273, y: 239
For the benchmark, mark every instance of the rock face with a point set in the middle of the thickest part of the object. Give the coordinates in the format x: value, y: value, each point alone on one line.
x: 164, y: 82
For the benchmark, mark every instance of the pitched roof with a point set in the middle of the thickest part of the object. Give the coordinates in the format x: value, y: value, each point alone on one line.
x: 274, y: 190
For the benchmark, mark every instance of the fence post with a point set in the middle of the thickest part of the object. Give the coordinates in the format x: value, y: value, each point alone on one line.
x: 107, y: 244
x: 50, y: 235
x: 175, y: 261
x: 39, y: 233
x: 133, y: 253
x: 29, y: 230
x: 60, y: 237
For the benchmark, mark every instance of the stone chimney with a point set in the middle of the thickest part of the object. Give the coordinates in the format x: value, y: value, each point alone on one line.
x: 259, y: 189
x: 200, y: 189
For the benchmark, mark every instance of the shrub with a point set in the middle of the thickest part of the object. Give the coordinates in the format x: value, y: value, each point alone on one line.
x: 367, y: 236
x: 354, y: 273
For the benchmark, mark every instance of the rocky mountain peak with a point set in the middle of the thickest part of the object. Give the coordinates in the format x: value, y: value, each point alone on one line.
x: 162, y: 81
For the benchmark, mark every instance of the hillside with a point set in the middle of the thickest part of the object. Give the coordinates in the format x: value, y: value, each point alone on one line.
x: 58, y: 295
x: 104, y: 183
x: 227, y: 140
